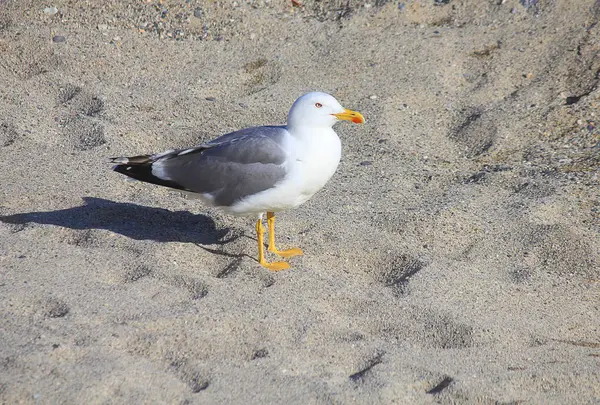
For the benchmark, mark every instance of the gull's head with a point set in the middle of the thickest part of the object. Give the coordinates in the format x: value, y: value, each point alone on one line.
x: 320, y: 110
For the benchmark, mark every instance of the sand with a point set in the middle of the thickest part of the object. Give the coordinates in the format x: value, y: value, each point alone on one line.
x: 453, y: 258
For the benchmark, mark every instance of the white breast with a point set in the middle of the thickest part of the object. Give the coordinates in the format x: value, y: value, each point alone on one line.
x: 317, y: 159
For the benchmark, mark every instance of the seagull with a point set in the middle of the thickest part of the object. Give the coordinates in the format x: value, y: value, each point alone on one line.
x: 256, y: 170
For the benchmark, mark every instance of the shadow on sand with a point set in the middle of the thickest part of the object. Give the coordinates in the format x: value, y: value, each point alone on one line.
x: 131, y: 220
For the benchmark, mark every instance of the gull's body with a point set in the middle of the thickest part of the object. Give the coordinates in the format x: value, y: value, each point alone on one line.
x: 256, y: 170
x: 312, y: 159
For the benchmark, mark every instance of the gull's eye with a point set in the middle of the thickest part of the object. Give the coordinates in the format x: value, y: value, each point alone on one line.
x: 318, y: 105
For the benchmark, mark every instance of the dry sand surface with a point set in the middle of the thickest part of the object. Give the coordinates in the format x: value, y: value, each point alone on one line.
x: 453, y: 258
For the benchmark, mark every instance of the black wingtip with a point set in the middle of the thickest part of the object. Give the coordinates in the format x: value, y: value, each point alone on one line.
x: 143, y: 172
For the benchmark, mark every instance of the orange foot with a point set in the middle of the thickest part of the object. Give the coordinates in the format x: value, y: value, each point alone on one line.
x: 275, y: 266
x: 287, y: 253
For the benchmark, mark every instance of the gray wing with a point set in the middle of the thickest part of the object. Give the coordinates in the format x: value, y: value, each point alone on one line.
x: 228, y: 168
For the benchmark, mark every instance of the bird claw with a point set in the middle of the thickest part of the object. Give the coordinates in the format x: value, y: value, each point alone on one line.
x: 287, y: 253
x: 276, y: 266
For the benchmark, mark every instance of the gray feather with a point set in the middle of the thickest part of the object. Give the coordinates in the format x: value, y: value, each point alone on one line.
x: 230, y: 167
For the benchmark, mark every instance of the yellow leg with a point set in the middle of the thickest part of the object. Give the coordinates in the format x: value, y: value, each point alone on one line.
x: 275, y: 266
x: 272, y: 248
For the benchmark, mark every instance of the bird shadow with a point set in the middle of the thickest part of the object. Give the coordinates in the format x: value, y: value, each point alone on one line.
x: 132, y: 220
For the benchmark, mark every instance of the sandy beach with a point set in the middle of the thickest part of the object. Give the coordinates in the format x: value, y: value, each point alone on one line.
x: 454, y: 257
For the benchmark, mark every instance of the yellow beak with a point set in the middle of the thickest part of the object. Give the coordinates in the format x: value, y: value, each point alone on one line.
x: 349, y: 115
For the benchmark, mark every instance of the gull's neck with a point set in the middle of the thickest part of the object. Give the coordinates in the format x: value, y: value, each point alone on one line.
x: 303, y: 130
